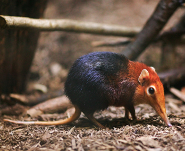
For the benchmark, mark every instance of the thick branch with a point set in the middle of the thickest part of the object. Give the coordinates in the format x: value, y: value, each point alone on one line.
x: 66, y: 25
x: 157, y: 21
x: 175, y: 32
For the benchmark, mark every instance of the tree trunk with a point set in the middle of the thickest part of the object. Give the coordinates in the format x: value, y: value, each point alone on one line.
x: 17, y: 46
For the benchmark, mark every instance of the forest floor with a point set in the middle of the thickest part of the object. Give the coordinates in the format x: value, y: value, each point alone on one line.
x: 55, y: 54
x: 149, y: 133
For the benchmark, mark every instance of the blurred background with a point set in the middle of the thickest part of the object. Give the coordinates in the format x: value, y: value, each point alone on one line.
x: 56, y: 51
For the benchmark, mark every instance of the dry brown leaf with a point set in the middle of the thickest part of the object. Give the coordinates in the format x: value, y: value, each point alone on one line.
x: 148, y: 141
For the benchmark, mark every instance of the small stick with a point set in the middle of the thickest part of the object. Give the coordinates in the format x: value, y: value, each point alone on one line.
x: 111, y: 43
x: 178, y: 94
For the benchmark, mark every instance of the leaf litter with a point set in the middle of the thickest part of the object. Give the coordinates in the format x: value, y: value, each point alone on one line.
x: 148, y: 133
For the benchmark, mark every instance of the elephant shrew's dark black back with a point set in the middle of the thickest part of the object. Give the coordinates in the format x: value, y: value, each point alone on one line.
x: 89, y: 84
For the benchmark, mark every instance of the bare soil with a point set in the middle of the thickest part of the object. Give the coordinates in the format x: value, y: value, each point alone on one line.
x: 148, y: 133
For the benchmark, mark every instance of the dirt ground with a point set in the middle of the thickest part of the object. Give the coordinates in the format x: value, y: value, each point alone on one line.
x: 55, y: 54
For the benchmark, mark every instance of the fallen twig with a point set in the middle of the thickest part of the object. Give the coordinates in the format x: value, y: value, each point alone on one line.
x: 178, y: 94
x: 55, y: 105
x: 174, y: 101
